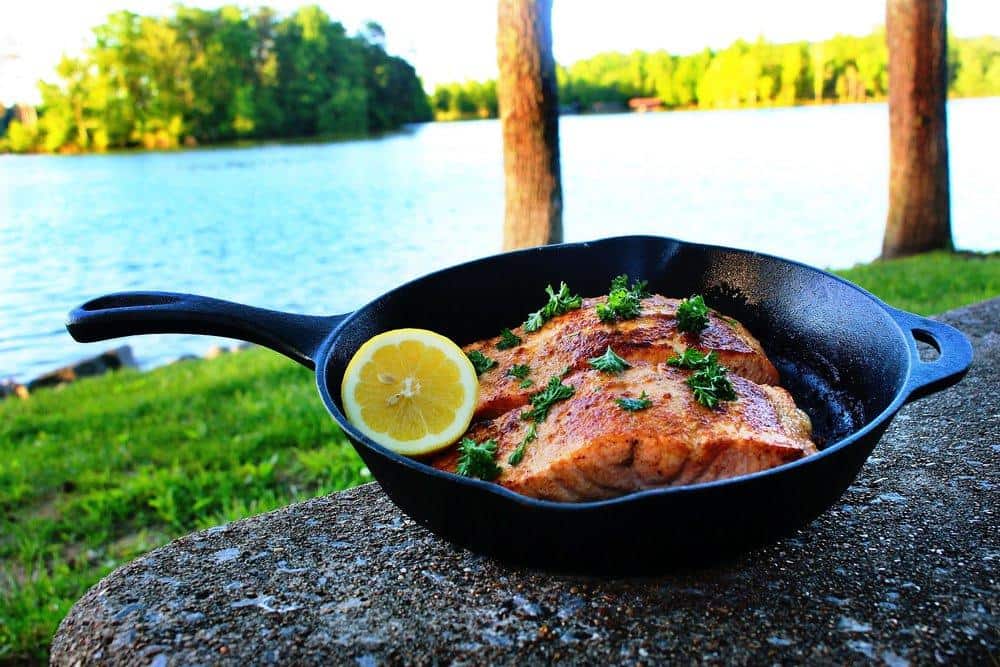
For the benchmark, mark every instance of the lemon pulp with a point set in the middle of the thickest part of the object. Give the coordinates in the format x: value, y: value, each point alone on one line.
x: 411, y: 390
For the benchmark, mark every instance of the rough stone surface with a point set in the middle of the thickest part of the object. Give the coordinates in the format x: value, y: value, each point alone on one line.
x: 902, y: 570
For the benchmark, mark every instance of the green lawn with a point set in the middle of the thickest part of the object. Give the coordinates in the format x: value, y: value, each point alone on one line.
x: 930, y: 283
x: 101, y: 471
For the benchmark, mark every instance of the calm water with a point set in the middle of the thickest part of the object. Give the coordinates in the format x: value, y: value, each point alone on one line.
x: 322, y: 228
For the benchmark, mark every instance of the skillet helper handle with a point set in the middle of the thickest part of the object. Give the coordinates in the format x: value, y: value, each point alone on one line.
x: 955, y: 354
x: 129, y: 313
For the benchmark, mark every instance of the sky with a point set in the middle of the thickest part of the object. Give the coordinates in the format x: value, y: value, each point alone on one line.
x: 454, y: 41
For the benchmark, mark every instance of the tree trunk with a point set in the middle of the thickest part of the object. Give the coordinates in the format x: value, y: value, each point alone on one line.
x: 919, y: 216
x: 529, y: 115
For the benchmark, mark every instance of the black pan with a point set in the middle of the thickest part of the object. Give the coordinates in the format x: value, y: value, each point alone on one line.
x: 849, y: 360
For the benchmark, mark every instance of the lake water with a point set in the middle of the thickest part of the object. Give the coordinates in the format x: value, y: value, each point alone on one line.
x: 323, y: 228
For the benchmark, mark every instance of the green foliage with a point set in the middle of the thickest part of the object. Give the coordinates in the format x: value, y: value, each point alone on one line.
x: 930, y: 283
x: 478, y: 460
x: 543, y: 401
x: 508, y: 339
x: 223, y: 74
x: 480, y: 361
x: 21, y: 138
x: 559, y: 303
x: 623, y: 302
x: 844, y: 68
x: 103, y: 470
x: 709, y: 382
x: 692, y: 314
x: 634, y: 404
x: 609, y: 362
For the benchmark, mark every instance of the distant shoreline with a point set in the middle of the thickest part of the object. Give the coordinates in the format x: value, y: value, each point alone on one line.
x: 409, y: 127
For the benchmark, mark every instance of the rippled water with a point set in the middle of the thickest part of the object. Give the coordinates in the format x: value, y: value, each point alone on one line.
x: 323, y: 228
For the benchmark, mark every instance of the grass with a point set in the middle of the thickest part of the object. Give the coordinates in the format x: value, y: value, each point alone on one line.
x: 98, y: 472
x: 930, y: 283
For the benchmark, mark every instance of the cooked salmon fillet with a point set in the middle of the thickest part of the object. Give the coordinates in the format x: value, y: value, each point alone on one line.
x: 590, y: 448
x: 571, y: 339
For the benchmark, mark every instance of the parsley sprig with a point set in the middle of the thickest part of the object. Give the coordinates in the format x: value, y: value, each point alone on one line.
x: 693, y: 359
x: 634, y: 404
x: 709, y: 382
x: 508, y: 339
x: 559, y: 303
x: 480, y: 361
x: 609, y: 362
x: 478, y: 460
x: 543, y: 401
x: 692, y: 314
x: 520, y: 371
x: 518, y: 454
x: 623, y: 301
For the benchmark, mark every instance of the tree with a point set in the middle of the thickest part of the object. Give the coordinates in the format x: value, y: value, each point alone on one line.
x: 919, y: 217
x: 529, y: 115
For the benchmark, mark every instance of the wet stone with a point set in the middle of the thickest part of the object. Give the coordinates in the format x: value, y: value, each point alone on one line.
x: 902, y: 570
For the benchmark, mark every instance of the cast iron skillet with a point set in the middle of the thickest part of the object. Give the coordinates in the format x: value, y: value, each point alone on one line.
x: 849, y: 360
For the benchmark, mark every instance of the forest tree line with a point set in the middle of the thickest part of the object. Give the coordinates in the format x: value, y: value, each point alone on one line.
x: 204, y: 76
x: 746, y: 74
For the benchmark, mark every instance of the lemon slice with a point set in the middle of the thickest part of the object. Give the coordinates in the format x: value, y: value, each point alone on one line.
x: 410, y: 390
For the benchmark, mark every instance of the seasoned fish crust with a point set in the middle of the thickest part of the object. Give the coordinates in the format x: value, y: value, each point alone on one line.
x: 590, y: 448
x: 567, y: 341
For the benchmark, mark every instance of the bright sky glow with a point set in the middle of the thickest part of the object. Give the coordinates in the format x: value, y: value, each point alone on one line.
x: 454, y: 41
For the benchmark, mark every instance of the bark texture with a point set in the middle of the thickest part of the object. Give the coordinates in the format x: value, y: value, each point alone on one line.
x: 529, y: 115
x: 919, y: 208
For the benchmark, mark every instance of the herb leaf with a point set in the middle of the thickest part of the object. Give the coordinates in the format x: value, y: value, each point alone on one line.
x: 518, y: 454
x: 477, y: 460
x: 541, y: 402
x: 480, y: 361
x: 534, y: 321
x: 709, y: 381
x: 609, y: 362
x: 559, y: 303
x: 693, y: 359
x: 519, y: 371
x: 692, y: 314
x: 508, y: 339
x: 623, y: 302
x: 525, y: 383
x: 634, y: 404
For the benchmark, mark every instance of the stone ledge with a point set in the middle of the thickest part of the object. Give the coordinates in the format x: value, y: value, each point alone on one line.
x: 902, y: 569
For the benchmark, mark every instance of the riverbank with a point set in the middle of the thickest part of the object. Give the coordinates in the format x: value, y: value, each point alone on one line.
x: 94, y: 473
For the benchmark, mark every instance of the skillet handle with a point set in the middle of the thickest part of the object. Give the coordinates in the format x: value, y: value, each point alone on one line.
x: 927, y: 377
x: 128, y: 313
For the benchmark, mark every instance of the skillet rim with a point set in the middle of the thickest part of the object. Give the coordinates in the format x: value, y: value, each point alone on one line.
x: 323, y: 353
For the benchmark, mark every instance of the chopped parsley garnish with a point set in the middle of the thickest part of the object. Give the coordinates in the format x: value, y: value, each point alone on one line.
x: 710, y: 384
x: 692, y: 314
x: 623, y: 301
x: 519, y: 371
x: 541, y: 402
x: 480, y: 361
x: 558, y: 304
x: 518, y: 454
x: 634, y: 404
x: 693, y: 360
x: 477, y: 460
x: 609, y: 362
x: 508, y: 340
